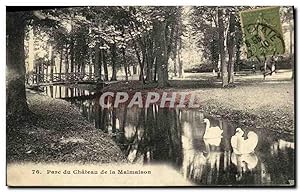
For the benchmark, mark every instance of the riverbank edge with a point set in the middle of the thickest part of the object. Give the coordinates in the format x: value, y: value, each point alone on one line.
x: 244, y: 119
x: 58, y: 133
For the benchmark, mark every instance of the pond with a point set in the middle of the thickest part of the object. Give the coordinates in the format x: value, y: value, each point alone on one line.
x: 175, y: 137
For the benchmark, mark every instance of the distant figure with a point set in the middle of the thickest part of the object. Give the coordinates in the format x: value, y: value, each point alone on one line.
x: 273, y: 65
x: 253, y: 68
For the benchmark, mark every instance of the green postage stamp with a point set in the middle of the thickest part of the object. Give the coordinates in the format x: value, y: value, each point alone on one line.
x: 262, y: 32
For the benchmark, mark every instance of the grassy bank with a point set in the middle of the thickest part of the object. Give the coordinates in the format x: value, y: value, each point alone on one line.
x: 251, y: 103
x: 258, y: 105
x: 58, y: 133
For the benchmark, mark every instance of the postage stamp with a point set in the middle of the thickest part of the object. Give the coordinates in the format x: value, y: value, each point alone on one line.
x: 262, y: 32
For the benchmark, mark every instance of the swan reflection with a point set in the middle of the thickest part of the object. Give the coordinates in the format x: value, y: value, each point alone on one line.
x: 244, y: 163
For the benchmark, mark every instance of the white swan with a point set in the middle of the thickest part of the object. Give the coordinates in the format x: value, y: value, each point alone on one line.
x: 212, y: 132
x: 241, y: 145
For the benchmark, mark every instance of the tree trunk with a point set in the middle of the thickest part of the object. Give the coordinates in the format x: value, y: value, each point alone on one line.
x: 61, y: 61
x: 16, y: 104
x: 230, y: 67
x: 79, y: 65
x: 149, y: 69
x: 177, y: 37
x: 224, y: 73
x: 141, y: 76
x: 125, y: 64
x: 114, y: 120
x: 168, y: 42
x: 72, y: 55
x: 100, y: 64
x: 134, y: 69
x: 37, y: 72
x: 31, y: 52
x: 42, y: 73
x: 161, y: 52
x: 155, y: 70
x: 175, y: 66
x: 230, y: 48
x: 113, y: 49
x: 97, y: 62
x: 90, y: 64
x: 292, y: 48
x: 180, y: 69
x: 140, y: 61
x: 51, y: 63
x: 67, y: 60
x: 237, y: 57
x: 105, y: 65
x: 83, y: 68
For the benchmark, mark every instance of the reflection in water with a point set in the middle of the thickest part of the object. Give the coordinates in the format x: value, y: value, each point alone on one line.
x: 156, y: 135
x: 244, y: 163
x: 176, y: 137
x: 56, y: 91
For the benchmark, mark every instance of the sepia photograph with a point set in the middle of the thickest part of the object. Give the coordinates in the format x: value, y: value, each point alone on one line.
x: 150, y: 96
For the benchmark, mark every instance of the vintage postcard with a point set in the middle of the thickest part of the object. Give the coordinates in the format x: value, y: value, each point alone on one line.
x: 150, y: 96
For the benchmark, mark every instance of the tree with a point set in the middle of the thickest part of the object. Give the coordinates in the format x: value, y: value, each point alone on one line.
x: 167, y: 21
x: 287, y: 15
x: 221, y: 30
x: 230, y: 43
x: 210, y: 25
x: 161, y: 52
x: 204, y: 22
x: 16, y: 104
x: 16, y: 23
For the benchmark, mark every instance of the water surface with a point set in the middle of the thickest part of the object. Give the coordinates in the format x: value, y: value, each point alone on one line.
x: 175, y: 137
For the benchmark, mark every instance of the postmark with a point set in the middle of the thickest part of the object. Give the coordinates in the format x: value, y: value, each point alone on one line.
x: 263, y: 41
